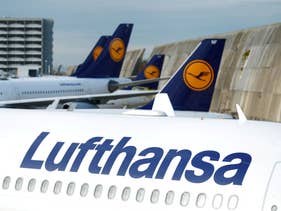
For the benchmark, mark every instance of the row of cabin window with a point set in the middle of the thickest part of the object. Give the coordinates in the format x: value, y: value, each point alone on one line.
x: 51, y: 91
x: 201, y: 198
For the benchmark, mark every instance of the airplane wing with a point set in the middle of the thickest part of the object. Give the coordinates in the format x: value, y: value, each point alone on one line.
x: 113, y: 85
x: 44, y: 102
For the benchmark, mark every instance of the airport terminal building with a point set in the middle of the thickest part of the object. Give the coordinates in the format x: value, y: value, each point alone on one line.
x: 26, y: 41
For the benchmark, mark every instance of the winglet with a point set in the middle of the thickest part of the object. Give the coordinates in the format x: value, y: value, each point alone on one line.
x: 163, y: 103
x: 241, y: 115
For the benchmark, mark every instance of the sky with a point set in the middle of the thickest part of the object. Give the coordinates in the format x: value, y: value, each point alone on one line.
x: 79, y: 23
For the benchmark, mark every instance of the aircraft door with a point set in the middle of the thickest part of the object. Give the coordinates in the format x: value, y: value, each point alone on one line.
x: 272, y: 200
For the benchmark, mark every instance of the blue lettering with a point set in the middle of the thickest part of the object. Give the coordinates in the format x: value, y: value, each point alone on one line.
x: 84, y: 148
x: 207, y: 168
x: 101, y: 149
x: 240, y: 168
x: 151, y: 163
x: 27, y: 161
x: 120, y: 148
x: 50, y: 164
x: 183, y: 154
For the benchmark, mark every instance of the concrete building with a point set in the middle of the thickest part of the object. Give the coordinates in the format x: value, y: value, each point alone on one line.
x: 26, y: 41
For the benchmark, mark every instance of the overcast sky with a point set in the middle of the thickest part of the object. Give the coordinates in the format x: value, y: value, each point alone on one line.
x: 79, y: 23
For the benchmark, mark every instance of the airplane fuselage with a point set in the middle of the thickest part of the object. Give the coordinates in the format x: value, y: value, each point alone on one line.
x: 46, y: 87
x: 131, y: 102
x: 62, y: 160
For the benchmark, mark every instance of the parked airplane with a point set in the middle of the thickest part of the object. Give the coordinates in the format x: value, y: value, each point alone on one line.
x: 89, y: 82
x: 85, y: 161
x: 184, y: 97
x: 151, y: 70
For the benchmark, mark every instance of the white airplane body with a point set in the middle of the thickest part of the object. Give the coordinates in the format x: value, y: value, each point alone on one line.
x: 86, y: 161
x: 131, y: 102
x: 141, y: 112
x: 48, y: 87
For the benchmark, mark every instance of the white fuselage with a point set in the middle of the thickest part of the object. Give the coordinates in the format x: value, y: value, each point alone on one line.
x: 47, y: 87
x: 87, y: 161
x: 130, y: 102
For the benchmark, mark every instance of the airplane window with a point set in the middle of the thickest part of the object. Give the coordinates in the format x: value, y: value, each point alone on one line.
x: 111, y: 192
x: 201, y: 200
x: 57, y: 187
x: 44, y: 186
x: 232, y: 202
x: 19, y: 183
x: 274, y: 208
x: 169, y: 197
x: 140, y: 195
x: 154, y: 196
x: 185, y: 197
x: 98, y: 191
x: 217, y: 201
x: 31, y: 185
x: 84, y: 190
x: 126, y: 193
x: 70, y: 189
x: 6, y: 183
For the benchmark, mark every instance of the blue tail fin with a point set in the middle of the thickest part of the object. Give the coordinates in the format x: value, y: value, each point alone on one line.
x: 110, y: 61
x: 93, y: 55
x: 150, y: 71
x: 191, y: 87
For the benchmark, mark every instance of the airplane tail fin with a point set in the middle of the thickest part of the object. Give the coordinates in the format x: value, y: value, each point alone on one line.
x: 110, y: 61
x: 93, y: 55
x: 192, y: 86
x: 150, y: 71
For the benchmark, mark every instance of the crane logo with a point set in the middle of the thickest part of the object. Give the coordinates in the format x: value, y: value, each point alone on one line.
x: 198, y: 75
x: 96, y: 52
x: 117, y: 49
x: 151, y: 72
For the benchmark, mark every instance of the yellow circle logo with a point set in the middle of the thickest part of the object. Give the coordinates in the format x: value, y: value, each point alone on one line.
x: 151, y: 72
x: 117, y: 49
x: 96, y: 52
x: 198, y: 75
